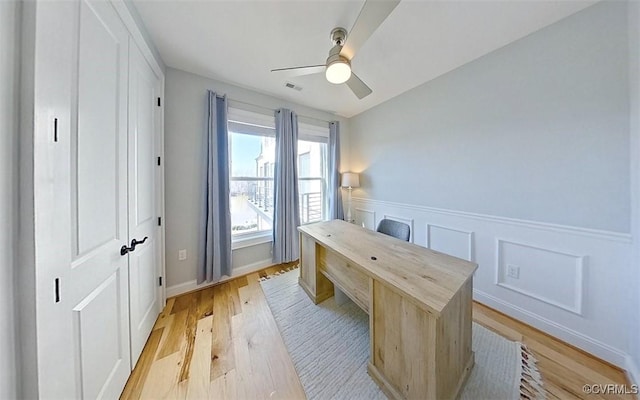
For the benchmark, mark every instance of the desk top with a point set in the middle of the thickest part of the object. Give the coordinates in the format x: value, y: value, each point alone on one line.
x: 428, y: 277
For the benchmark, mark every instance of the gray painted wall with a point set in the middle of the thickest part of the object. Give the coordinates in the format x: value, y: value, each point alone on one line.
x: 185, y: 124
x: 537, y: 130
x: 9, y: 102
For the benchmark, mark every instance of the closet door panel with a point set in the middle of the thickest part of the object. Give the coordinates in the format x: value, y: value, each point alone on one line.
x: 98, y: 281
x: 144, y: 262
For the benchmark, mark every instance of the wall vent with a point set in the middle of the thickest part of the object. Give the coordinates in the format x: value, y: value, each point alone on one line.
x: 293, y: 86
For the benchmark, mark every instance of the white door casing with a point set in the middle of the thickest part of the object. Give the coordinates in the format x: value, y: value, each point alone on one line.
x: 145, y: 301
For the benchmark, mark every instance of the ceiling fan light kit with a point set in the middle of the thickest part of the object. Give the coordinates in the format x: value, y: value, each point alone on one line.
x: 338, y: 71
x: 338, y: 65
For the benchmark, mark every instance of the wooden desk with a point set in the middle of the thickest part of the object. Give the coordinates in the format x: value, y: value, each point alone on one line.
x: 418, y: 301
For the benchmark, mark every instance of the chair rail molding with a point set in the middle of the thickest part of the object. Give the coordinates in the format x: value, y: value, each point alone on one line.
x: 598, y: 233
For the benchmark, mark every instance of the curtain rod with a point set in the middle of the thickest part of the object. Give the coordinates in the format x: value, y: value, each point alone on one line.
x: 272, y: 110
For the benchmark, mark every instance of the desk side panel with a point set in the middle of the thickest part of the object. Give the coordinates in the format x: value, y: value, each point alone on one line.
x: 454, y: 357
x: 404, y: 340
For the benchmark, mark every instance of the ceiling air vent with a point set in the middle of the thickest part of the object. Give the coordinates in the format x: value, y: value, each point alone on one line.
x: 293, y: 86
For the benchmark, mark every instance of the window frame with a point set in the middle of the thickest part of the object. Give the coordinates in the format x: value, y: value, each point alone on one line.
x: 242, y: 121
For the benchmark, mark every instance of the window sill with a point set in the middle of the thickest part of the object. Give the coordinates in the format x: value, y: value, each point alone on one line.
x: 250, y: 240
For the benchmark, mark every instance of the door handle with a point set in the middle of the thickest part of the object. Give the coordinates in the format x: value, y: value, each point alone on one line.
x: 134, y: 242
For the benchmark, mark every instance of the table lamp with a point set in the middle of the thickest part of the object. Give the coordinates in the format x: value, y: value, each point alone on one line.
x: 350, y: 180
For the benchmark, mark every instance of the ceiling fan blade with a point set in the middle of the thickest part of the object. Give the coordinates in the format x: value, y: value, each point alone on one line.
x: 372, y: 14
x: 299, y: 71
x: 358, y: 87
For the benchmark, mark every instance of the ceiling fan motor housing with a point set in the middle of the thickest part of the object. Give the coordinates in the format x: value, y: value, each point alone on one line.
x: 338, y: 36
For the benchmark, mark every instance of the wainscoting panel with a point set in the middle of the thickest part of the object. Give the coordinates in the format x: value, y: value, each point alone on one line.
x: 543, y: 274
x: 455, y: 242
x: 366, y: 218
x: 571, y: 280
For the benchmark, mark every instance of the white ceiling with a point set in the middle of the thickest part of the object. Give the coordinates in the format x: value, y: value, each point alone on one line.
x: 241, y: 41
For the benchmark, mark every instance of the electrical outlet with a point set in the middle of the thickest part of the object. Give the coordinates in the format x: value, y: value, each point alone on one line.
x: 513, y: 271
x: 182, y: 255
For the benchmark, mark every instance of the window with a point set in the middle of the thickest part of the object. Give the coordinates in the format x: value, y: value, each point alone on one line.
x: 252, y: 158
x: 252, y: 153
x: 311, y: 180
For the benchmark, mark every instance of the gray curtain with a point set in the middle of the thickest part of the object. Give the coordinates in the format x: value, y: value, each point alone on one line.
x: 215, y: 252
x: 286, y: 215
x: 334, y: 193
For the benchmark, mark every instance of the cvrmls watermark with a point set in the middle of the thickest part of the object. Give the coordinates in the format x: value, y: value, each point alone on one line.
x: 610, y: 388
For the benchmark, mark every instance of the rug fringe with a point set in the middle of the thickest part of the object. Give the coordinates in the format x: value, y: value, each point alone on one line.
x: 282, y: 271
x: 531, y: 386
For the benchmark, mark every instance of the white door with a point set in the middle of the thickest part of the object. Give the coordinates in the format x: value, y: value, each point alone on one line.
x: 83, y: 331
x: 143, y: 217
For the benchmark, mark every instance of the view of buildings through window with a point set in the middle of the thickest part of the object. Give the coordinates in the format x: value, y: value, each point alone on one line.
x: 252, y: 171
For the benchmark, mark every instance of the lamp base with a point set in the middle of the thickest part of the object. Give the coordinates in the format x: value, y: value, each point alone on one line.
x: 349, y: 219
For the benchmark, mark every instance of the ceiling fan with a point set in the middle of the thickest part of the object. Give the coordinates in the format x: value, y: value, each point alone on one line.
x: 338, y: 65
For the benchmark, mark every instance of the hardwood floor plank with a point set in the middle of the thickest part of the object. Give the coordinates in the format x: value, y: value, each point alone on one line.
x: 175, y: 334
x: 165, y: 315
x: 224, y: 387
x: 244, y: 370
x: 205, y: 306
x: 234, y: 298
x: 253, y: 335
x: 199, y: 384
x: 190, y: 336
x: 589, y: 375
x: 133, y: 388
x: 182, y: 303
x: 266, y: 348
x: 222, y: 360
x: 242, y: 281
x: 162, y: 378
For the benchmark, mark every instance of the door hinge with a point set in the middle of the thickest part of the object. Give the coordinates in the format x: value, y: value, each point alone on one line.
x: 57, y: 290
x: 159, y: 281
x: 159, y: 221
x: 159, y: 161
x: 55, y: 129
x: 159, y: 103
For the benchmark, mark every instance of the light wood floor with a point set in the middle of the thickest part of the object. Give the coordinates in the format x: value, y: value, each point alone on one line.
x: 223, y: 343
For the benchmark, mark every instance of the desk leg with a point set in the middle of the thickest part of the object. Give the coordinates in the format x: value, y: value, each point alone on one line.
x: 317, y: 286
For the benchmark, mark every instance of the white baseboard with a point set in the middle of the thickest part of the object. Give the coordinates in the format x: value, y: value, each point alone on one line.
x: 573, y: 337
x: 189, y: 286
x: 633, y: 371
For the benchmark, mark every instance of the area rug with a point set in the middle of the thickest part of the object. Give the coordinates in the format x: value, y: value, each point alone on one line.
x: 329, y: 346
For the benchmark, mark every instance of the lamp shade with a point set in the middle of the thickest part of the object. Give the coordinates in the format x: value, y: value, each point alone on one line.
x: 350, y: 179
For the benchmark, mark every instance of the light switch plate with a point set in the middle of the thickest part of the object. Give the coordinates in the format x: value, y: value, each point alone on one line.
x: 182, y: 255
